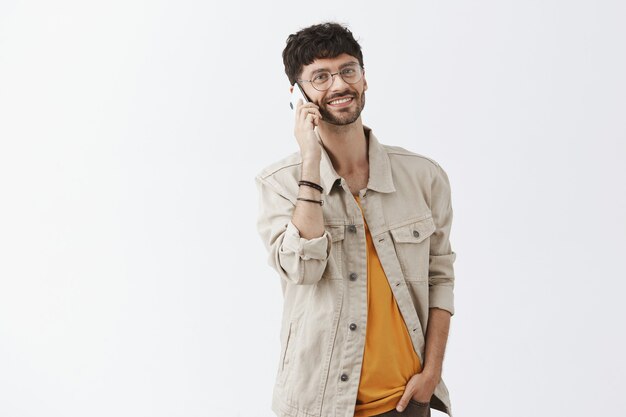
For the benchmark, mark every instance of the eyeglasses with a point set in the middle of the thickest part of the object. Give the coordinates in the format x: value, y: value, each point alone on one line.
x: 322, y: 81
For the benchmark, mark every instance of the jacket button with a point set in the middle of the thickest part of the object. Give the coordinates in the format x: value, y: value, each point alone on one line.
x: 352, y: 326
x: 352, y: 228
x: 416, y: 233
x: 344, y: 377
x: 353, y: 276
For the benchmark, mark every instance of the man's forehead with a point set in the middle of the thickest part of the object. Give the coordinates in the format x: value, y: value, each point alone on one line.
x: 329, y: 63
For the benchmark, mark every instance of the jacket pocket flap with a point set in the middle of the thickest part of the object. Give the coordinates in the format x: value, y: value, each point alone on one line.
x: 414, y: 232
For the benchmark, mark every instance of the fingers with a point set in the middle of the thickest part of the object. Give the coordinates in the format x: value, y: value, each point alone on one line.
x: 402, y: 403
x: 311, y: 115
x: 304, y: 112
x: 307, y: 108
x: 307, y: 113
x: 404, y: 400
x: 313, y: 118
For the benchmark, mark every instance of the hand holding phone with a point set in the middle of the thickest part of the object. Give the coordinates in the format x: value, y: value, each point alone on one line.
x: 307, y: 117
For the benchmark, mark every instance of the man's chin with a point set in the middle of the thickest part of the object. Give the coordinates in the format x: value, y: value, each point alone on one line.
x: 340, y: 121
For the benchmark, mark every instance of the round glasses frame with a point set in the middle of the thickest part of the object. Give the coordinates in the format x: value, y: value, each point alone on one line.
x: 332, y: 77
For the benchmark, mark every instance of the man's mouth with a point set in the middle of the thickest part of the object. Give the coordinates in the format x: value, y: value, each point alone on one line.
x: 341, y: 102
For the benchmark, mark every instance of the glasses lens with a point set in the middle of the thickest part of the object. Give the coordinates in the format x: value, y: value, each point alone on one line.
x: 322, y: 80
x: 351, y: 74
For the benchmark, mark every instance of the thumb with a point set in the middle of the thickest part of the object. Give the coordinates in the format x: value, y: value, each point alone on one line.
x: 406, y: 396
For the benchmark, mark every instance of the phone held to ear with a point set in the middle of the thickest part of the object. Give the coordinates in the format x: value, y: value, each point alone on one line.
x: 297, y: 94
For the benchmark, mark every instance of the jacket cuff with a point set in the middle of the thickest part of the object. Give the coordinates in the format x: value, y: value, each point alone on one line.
x: 441, y: 296
x: 316, y: 248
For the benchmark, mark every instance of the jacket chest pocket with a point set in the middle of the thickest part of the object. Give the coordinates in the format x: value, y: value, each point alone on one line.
x: 412, y: 245
x: 333, y: 267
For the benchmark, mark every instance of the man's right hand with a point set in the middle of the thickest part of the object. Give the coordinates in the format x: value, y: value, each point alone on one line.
x: 307, y: 117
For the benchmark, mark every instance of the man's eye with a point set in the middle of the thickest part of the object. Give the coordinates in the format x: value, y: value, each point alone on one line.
x: 321, y: 77
x: 348, y: 71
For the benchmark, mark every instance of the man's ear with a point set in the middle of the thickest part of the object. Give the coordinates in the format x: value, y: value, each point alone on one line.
x: 364, y: 84
x: 291, y: 90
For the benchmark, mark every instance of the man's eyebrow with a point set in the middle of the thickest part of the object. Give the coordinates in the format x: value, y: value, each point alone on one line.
x: 326, y: 69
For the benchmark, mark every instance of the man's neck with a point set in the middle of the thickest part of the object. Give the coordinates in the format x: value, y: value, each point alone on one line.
x: 346, y: 146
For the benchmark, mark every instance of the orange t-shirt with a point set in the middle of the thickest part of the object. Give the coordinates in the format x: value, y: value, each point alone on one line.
x: 389, y: 359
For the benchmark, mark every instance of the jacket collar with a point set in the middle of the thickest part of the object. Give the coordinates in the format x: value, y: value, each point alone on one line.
x: 380, y: 178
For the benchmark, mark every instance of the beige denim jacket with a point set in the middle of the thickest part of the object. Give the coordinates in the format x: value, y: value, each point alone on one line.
x: 407, y: 206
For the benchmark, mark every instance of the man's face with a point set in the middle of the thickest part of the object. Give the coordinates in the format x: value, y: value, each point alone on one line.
x: 335, y: 113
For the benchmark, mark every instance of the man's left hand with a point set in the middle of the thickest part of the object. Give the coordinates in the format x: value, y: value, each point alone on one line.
x: 419, y: 388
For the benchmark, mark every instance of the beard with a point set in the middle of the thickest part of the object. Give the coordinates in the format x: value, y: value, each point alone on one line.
x: 344, y: 116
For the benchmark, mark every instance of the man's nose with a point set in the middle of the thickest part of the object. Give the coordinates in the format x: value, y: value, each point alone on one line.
x: 337, y: 83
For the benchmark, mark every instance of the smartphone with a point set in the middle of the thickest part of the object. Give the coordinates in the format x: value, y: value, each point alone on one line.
x: 297, y: 94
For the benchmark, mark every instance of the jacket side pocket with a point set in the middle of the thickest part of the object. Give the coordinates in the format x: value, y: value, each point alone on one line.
x: 287, y: 352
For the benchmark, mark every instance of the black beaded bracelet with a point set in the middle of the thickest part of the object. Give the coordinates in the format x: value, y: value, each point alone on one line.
x: 320, y: 202
x: 311, y: 184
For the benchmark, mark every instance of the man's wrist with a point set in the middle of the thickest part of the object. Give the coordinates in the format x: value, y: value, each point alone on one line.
x: 312, y: 159
x: 432, y: 372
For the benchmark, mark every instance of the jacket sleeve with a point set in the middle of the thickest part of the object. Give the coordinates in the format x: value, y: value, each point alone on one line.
x: 297, y: 260
x: 442, y: 257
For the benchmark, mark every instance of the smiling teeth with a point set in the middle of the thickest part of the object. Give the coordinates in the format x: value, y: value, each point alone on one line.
x: 343, y: 100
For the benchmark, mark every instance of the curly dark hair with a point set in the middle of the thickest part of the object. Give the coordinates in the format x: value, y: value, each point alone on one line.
x: 324, y: 40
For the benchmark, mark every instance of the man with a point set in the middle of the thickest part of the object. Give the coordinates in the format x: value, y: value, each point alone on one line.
x: 359, y: 235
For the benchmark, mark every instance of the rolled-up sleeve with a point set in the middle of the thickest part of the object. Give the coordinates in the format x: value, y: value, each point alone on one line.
x: 297, y: 260
x: 316, y: 248
x: 442, y: 257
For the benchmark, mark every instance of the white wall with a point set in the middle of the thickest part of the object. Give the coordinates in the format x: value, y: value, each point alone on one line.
x: 132, y: 278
